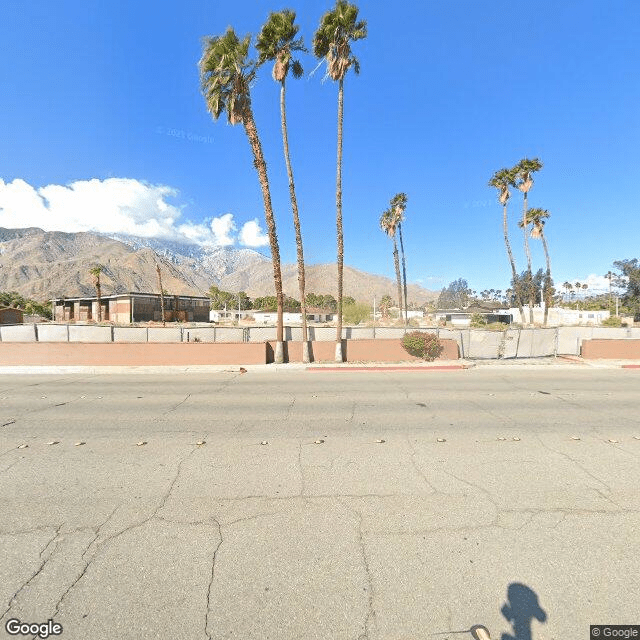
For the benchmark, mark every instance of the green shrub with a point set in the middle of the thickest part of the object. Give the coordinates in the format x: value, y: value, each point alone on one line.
x: 422, y: 345
x: 478, y: 320
x: 612, y: 321
x: 355, y: 313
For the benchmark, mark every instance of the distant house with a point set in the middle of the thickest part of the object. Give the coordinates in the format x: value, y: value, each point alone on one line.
x: 219, y: 315
x: 563, y: 317
x: 9, y: 315
x: 410, y: 313
x: 271, y: 317
x: 313, y: 315
x: 127, y: 308
x: 462, y: 317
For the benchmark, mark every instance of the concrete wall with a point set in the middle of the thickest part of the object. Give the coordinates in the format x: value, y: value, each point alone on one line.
x: 611, y: 349
x: 53, y: 332
x: 391, y: 351
x: 471, y: 343
x: 361, y: 351
x: 164, y: 334
x: 88, y: 333
x: 67, y: 354
x: 18, y: 333
x: 130, y: 334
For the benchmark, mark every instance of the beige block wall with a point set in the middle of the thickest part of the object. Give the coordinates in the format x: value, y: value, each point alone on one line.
x: 362, y: 351
x: 611, y: 349
x: 116, y: 354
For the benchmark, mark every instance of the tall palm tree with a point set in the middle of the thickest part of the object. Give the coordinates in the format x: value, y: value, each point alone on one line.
x: 332, y: 41
x: 577, y: 286
x: 164, y: 324
x: 398, y: 206
x: 385, y: 303
x: 609, y: 276
x: 226, y: 75
x: 524, y: 171
x: 568, y: 286
x: 95, y: 272
x: 276, y: 43
x: 503, y: 180
x: 389, y: 224
x: 537, y: 218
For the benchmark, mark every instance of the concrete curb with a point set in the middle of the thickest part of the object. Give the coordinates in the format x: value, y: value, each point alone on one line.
x: 538, y: 364
x: 452, y: 367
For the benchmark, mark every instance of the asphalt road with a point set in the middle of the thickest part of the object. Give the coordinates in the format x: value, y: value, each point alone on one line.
x: 432, y: 502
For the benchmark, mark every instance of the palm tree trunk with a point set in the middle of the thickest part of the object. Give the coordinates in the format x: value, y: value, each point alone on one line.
x: 339, y: 355
x: 296, y: 224
x: 99, y: 292
x: 404, y: 276
x: 547, y: 280
x: 261, y: 168
x: 512, y: 262
x: 396, y: 262
x: 164, y: 324
x: 528, y: 254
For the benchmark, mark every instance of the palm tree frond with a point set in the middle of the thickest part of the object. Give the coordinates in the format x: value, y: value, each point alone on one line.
x: 277, y: 40
x: 226, y: 75
x: 297, y: 70
x: 332, y: 41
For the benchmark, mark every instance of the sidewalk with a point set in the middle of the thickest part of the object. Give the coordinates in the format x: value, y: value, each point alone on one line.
x: 561, y: 362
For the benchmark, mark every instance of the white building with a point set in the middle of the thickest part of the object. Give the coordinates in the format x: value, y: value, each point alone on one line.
x: 313, y: 315
x: 219, y: 315
x: 271, y: 317
x: 562, y: 317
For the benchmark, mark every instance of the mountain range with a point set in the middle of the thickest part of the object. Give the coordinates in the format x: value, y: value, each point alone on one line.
x: 52, y: 264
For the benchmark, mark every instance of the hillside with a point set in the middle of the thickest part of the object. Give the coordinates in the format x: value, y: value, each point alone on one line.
x: 46, y: 264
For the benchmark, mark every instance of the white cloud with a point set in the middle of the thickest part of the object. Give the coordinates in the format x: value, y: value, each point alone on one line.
x: 114, y: 205
x: 222, y: 227
x: 596, y: 284
x: 251, y: 234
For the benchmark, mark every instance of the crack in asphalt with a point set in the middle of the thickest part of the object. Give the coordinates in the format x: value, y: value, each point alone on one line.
x: 302, y: 478
x: 419, y: 471
x: 38, y: 570
x: 101, y: 545
x: 86, y: 565
x: 210, y: 587
x: 177, y: 405
x: 370, y: 617
x: 581, y: 467
x: 289, y: 408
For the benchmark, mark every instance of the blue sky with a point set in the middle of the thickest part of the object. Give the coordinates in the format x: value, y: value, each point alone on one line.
x: 449, y: 92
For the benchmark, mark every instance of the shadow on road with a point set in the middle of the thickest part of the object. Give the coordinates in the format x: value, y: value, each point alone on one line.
x: 520, y: 609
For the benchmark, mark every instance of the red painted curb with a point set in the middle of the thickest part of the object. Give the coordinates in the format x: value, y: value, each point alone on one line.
x: 631, y: 366
x: 347, y: 369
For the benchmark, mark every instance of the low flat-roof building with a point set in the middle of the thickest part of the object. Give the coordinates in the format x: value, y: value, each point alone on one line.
x: 10, y: 315
x: 127, y: 308
x: 462, y: 317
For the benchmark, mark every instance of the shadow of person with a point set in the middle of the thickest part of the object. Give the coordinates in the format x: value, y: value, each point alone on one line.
x: 520, y: 609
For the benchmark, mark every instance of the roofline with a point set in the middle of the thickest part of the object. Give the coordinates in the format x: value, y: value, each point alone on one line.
x: 130, y: 294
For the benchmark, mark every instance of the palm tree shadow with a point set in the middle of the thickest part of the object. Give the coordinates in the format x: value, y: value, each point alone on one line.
x: 520, y: 609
